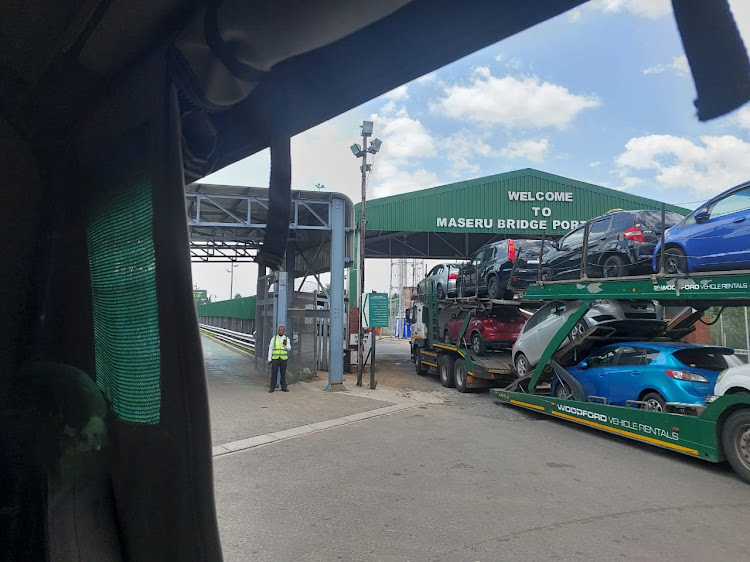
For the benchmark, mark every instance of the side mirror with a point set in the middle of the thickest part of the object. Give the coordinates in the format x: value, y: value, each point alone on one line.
x: 407, y: 315
x: 584, y: 365
x: 702, y: 216
x: 560, y: 309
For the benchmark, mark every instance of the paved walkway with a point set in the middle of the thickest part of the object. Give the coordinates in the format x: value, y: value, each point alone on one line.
x: 244, y: 414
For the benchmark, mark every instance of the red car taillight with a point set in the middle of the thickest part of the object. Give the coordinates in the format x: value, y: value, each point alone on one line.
x: 488, y: 321
x: 686, y: 376
x: 635, y: 234
x: 453, y: 276
x: 511, y: 250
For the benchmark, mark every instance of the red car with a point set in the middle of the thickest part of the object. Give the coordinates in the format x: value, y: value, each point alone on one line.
x: 489, y: 329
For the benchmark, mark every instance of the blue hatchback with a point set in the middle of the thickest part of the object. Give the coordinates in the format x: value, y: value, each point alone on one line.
x: 714, y: 236
x: 655, y: 373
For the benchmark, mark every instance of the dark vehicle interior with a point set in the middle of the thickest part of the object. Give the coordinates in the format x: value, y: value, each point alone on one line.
x: 109, y: 108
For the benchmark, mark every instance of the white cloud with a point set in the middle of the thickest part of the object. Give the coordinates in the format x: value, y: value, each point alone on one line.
x: 461, y: 147
x: 400, y: 93
x: 513, y: 102
x: 594, y: 164
x: 530, y: 149
x: 403, y: 138
x: 390, y: 179
x: 650, y: 9
x: 575, y: 15
x: 709, y: 167
x: 679, y: 65
x: 513, y: 64
x: 499, y: 58
x: 743, y: 117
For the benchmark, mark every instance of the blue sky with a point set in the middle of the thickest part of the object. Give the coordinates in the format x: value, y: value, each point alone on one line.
x: 600, y: 94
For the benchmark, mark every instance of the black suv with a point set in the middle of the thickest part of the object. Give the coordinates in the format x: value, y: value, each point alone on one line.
x: 620, y: 243
x: 492, y: 265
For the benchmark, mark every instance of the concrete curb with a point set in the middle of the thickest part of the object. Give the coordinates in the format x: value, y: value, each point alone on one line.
x: 260, y: 440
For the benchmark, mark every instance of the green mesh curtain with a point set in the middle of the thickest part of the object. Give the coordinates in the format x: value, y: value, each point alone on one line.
x: 121, y: 259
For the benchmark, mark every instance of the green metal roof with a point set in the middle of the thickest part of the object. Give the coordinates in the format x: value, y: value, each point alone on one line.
x: 522, y: 196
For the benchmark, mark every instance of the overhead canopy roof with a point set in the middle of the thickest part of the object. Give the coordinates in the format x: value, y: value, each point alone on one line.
x: 227, y: 223
x: 452, y: 221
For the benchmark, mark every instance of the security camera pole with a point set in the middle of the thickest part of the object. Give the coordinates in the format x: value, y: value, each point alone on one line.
x: 361, y: 152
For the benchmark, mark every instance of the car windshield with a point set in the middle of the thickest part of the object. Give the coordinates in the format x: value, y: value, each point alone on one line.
x: 709, y: 358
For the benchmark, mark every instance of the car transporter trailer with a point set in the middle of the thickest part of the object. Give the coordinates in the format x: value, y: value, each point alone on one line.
x: 716, y: 431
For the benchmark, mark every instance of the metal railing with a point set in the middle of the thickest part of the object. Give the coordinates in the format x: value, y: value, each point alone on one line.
x: 231, y: 337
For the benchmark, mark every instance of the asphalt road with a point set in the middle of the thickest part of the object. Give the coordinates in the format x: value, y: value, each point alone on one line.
x: 468, y: 479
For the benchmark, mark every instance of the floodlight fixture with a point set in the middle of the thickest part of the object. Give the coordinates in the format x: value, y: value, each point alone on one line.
x: 356, y: 150
x: 367, y: 128
x: 374, y: 146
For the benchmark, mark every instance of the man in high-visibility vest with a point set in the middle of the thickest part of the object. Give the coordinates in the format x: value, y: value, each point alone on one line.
x: 278, y: 353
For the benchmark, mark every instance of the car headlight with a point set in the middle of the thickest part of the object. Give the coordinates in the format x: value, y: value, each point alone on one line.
x: 721, y: 375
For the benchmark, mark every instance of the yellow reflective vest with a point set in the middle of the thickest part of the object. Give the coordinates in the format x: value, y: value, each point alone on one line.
x: 279, y: 351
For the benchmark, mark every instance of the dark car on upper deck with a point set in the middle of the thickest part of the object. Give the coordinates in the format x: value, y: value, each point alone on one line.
x: 498, y: 269
x: 619, y: 243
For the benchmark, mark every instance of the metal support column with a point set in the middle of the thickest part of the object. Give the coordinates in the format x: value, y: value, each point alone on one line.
x: 280, y: 304
x: 336, y: 359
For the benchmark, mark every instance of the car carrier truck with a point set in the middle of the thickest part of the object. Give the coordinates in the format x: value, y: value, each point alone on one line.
x: 456, y: 363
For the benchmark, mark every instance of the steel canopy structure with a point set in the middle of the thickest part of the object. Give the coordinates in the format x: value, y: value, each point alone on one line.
x: 227, y: 224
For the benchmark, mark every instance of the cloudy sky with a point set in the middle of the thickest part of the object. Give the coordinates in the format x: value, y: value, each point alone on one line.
x: 601, y: 94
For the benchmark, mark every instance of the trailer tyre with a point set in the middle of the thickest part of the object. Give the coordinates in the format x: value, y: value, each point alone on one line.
x: 445, y: 364
x: 421, y: 370
x: 735, y: 439
x: 459, y: 373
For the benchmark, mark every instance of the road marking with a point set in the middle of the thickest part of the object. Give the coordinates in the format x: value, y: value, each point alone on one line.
x: 260, y: 440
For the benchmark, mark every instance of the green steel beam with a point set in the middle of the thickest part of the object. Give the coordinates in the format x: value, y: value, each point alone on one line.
x: 554, y: 345
x: 696, y: 287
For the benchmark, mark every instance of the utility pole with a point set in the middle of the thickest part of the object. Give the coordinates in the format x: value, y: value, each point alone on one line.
x: 361, y: 152
x: 361, y: 267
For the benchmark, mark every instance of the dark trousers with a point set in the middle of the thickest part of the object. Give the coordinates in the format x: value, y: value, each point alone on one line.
x: 278, y: 365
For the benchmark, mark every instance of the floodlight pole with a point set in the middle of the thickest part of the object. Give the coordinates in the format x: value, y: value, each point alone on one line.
x: 361, y: 267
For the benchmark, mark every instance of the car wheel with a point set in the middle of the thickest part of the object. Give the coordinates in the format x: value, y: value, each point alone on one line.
x: 440, y: 292
x: 654, y: 402
x: 493, y: 287
x: 578, y: 330
x: 522, y: 365
x: 447, y: 337
x: 563, y: 392
x: 459, y: 375
x: 421, y: 370
x: 613, y: 266
x: 675, y: 262
x: 735, y: 439
x: 477, y: 344
x: 446, y: 371
x: 545, y: 274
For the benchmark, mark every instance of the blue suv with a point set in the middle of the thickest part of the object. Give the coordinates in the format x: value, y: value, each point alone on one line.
x: 714, y: 236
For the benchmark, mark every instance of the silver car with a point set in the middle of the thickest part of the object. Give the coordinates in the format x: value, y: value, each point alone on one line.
x: 631, y: 318
x: 444, y: 276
